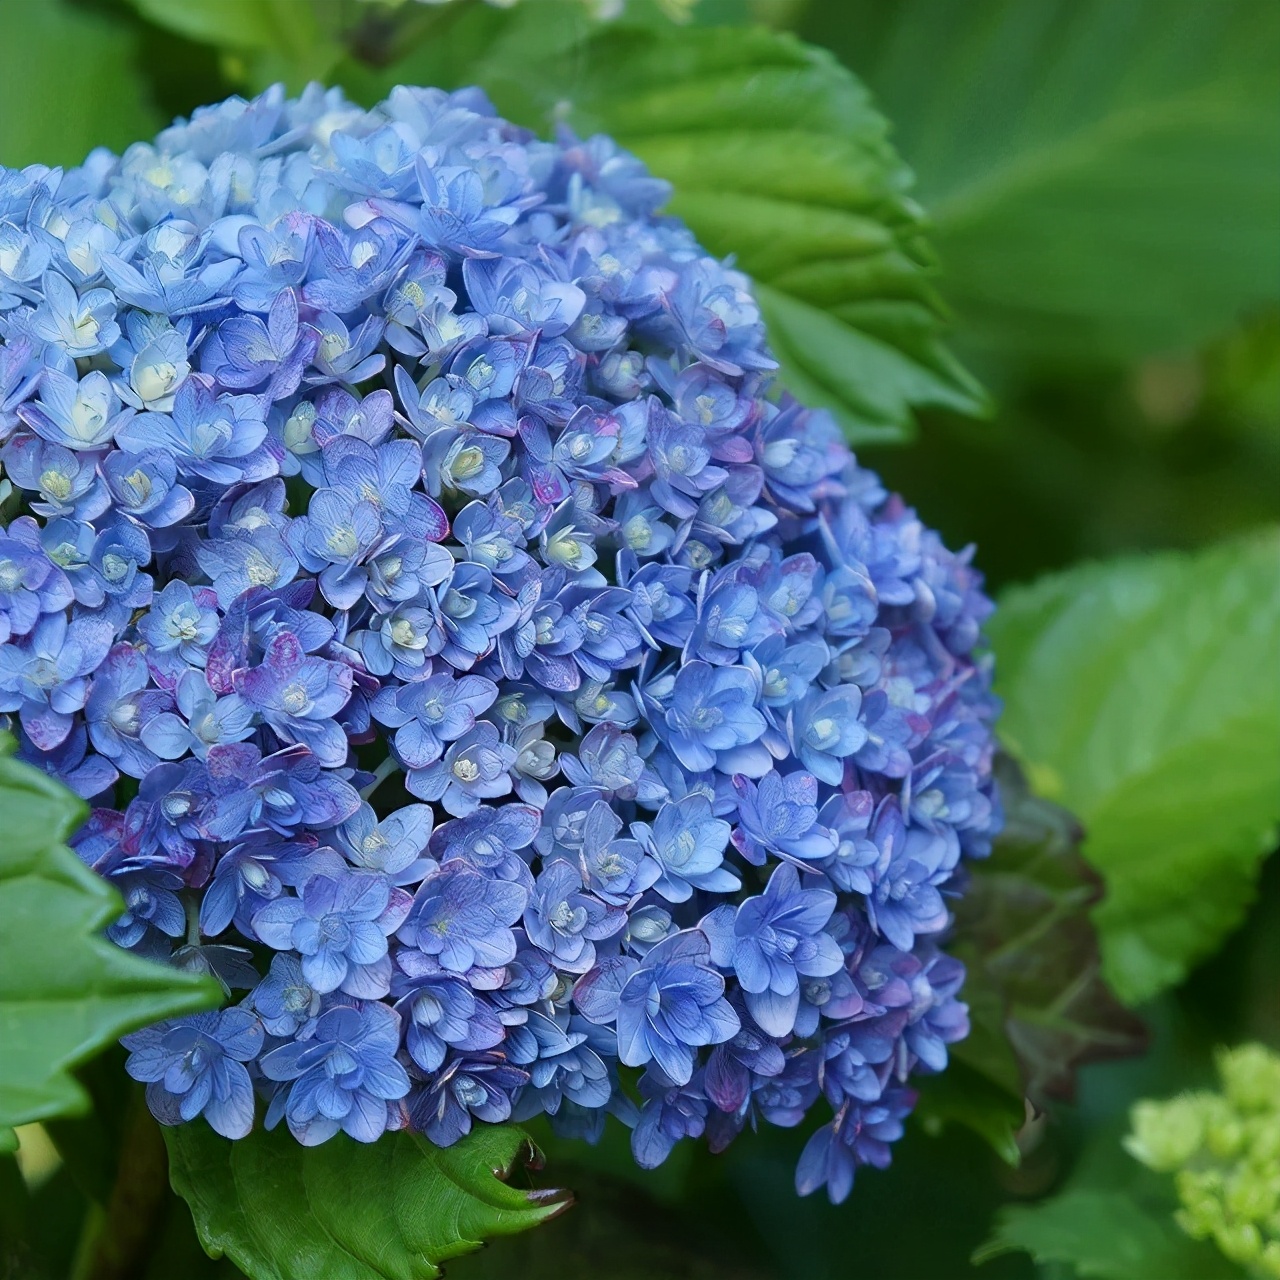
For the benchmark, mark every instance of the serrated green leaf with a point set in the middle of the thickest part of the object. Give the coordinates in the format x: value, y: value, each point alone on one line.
x: 61, y: 88
x: 777, y: 157
x: 1101, y: 174
x: 65, y: 992
x: 867, y: 382
x: 1145, y: 695
x: 390, y: 1210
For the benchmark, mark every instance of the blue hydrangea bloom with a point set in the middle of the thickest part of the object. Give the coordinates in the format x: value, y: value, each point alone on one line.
x: 771, y: 941
x: 464, y: 918
x: 442, y: 1011
x: 422, y: 446
x: 284, y: 1000
x: 195, y: 1066
x: 479, y: 1086
x: 339, y: 926
x: 859, y: 1135
x: 342, y: 1076
x: 563, y: 1067
x: 688, y: 843
x: 670, y: 1112
x: 665, y: 1005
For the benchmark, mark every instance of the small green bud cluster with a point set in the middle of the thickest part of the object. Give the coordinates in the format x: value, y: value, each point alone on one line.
x: 1224, y: 1152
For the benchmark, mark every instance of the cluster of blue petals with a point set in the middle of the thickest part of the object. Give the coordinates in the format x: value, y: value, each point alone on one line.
x: 512, y: 700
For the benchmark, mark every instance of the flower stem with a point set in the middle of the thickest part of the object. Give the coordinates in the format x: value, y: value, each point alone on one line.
x: 116, y: 1240
x: 380, y: 775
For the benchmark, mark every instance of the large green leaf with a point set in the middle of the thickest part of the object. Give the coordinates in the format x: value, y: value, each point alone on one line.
x: 1102, y: 174
x: 65, y: 992
x: 390, y: 1210
x: 777, y: 157
x: 65, y: 84
x: 1144, y: 694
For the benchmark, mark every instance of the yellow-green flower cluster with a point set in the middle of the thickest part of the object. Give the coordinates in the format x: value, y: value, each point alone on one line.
x: 1224, y: 1151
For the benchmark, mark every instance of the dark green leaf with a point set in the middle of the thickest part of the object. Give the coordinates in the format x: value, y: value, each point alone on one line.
x: 1243, y: 375
x: 64, y: 991
x: 967, y: 1096
x: 1145, y: 695
x: 621, y: 1231
x: 65, y: 86
x: 392, y: 1210
x: 1038, y: 1005
x: 1023, y: 931
x: 1112, y: 1218
x: 1101, y: 174
x: 777, y: 157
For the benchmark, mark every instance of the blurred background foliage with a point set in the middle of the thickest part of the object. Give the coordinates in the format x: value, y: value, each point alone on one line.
x: 1100, y: 248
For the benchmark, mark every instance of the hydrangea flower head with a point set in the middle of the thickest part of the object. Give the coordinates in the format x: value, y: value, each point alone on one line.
x: 428, y: 448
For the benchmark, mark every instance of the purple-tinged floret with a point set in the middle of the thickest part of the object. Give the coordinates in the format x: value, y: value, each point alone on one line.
x: 464, y: 918
x: 121, y: 704
x: 669, y: 1112
x: 688, y: 843
x: 339, y: 925
x: 342, y: 1076
x: 195, y: 1066
x: 472, y: 1087
x: 219, y: 438
x: 780, y: 816
x: 773, y: 940
x: 905, y: 898
x: 284, y: 1000
x: 31, y: 585
x: 441, y: 1012
x: 666, y: 1005
x: 860, y: 1134
x: 472, y: 769
x: 298, y: 696
x: 711, y: 720
x: 43, y: 677
x: 563, y: 920
x: 563, y: 1066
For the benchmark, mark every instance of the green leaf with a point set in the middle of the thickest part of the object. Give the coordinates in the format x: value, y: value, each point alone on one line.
x: 1024, y: 933
x: 1144, y: 694
x: 1038, y: 1006
x: 1101, y: 174
x: 62, y: 91
x: 65, y: 992
x: 234, y: 24
x: 390, y: 1210
x: 1105, y: 1235
x: 777, y: 157
x: 963, y: 1095
x: 269, y: 40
